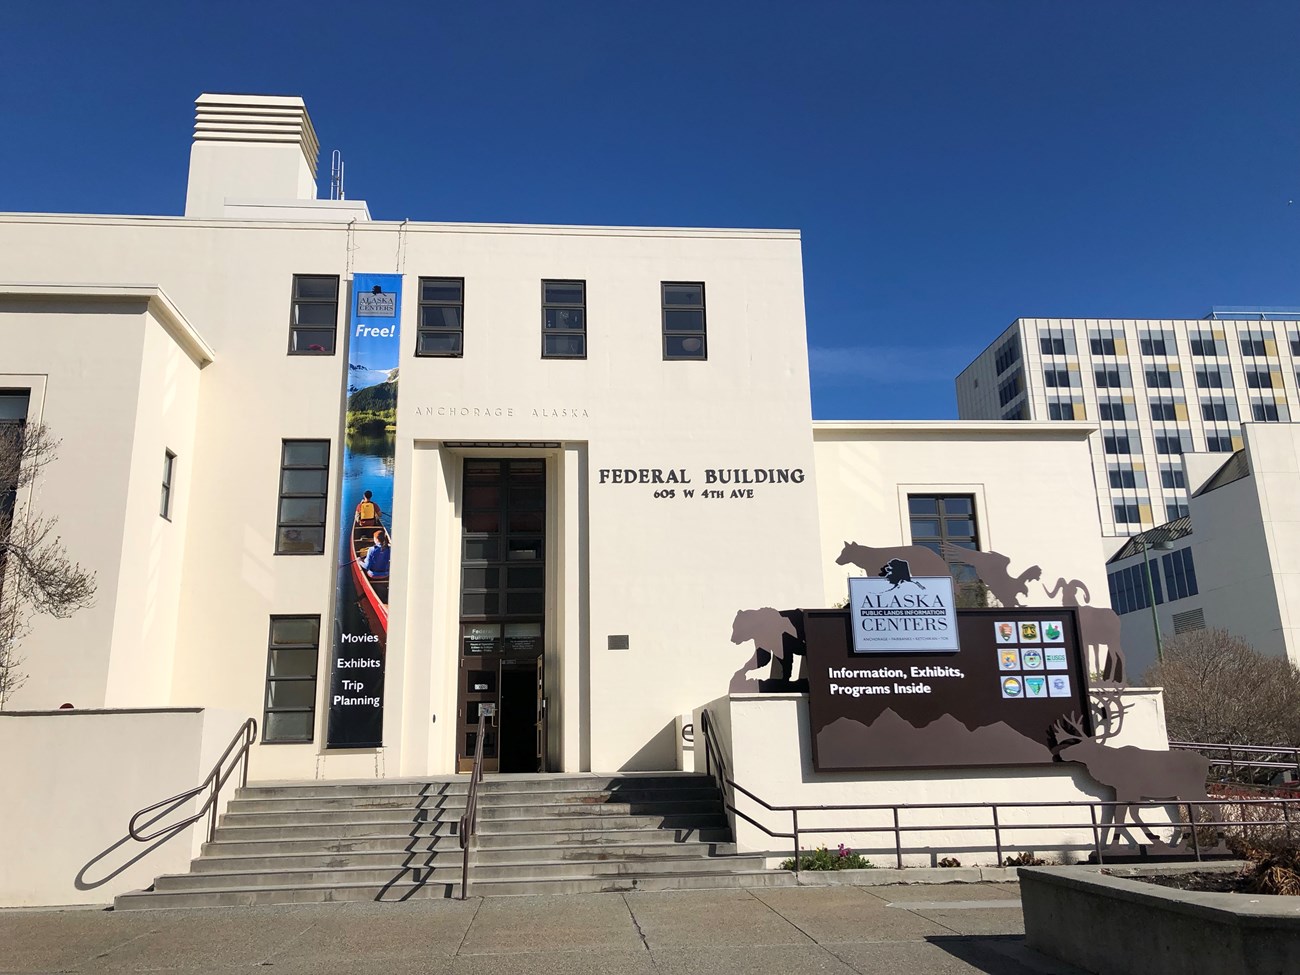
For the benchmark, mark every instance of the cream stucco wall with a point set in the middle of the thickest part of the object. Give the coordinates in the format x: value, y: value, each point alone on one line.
x: 1032, y: 485
x: 74, y: 779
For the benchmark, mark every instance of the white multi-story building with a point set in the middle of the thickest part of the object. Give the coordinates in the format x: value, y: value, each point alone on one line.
x: 1157, y: 389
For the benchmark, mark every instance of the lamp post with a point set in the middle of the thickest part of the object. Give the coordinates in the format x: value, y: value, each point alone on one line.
x: 1164, y: 545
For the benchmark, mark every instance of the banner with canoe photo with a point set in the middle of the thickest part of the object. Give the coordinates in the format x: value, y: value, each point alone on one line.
x: 356, y: 713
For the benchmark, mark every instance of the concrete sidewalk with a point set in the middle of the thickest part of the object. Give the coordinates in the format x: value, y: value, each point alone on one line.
x: 896, y: 930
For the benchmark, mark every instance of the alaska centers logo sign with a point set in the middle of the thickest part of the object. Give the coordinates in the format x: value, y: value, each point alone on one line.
x: 895, y: 612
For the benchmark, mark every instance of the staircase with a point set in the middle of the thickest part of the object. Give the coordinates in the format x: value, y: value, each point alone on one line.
x: 393, y: 840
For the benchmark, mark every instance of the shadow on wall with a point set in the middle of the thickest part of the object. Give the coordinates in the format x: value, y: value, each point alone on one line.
x: 127, y: 852
x: 659, y: 754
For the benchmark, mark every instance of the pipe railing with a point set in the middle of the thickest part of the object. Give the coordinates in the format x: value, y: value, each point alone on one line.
x: 239, y: 746
x: 468, y: 826
x: 1242, y: 764
x: 997, y: 824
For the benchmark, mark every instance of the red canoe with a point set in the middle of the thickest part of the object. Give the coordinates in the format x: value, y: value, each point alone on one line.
x: 373, y: 592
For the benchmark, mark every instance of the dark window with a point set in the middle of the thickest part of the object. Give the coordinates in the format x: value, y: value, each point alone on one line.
x: 441, y: 329
x: 1052, y: 344
x: 169, y: 471
x: 1219, y: 443
x: 1126, y: 513
x: 1011, y: 387
x: 1008, y: 354
x: 313, y: 321
x: 1214, y: 410
x: 1253, y: 345
x: 1152, y: 346
x: 1169, y: 444
x: 1163, y: 409
x: 1122, y: 477
x: 1259, y: 379
x: 1128, y: 587
x: 13, y: 418
x: 1174, y: 510
x: 683, y: 318
x: 1295, y: 344
x: 290, y: 714
x: 1206, y: 347
x: 1264, y: 411
x: 1173, y: 477
x: 1102, y: 346
x: 1116, y: 444
x: 937, y: 519
x: 1180, y: 574
x: 1061, y: 411
x: 304, y: 483
x: 1209, y: 379
x: 1108, y: 378
x: 1112, y: 410
x: 1057, y: 378
x: 1018, y: 412
x: 1159, y: 378
x: 564, y: 319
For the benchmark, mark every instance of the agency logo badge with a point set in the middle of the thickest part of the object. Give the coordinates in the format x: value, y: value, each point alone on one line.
x: 1005, y: 632
x: 1008, y: 660
x: 1029, y: 633
x: 1053, y: 631
x: 1031, y: 659
x: 1012, y: 687
x: 1058, y: 685
x: 1035, y: 687
x: 1055, y: 658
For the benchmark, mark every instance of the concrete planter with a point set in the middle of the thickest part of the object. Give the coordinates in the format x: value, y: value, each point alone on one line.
x: 1108, y: 923
x: 880, y: 876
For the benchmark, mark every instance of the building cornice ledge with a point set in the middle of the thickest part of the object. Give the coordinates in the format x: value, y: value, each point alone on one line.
x: 162, y: 308
x: 1027, y: 429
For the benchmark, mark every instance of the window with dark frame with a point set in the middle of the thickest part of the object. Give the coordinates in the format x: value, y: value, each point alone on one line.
x: 169, y: 470
x: 1102, y: 345
x: 293, y: 649
x: 314, y: 314
x: 1259, y: 379
x: 937, y: 519
x: 304, y: 488
x: 564, y: 319
x: 440, y: 330
x: 684, y: 320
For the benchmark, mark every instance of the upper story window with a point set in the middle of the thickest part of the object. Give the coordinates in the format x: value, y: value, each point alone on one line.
x: 169, y: 472
x: 1294, y: 339
x: 1164, y: 409
x: 304, y: 485
x: 1112, y: 409
x: 1159, y: 379
x: 564, y: 319
x: 1221, y: 441
x: 1218, y: 409
x: 683, y: 318
x: 1117, y: 444
x: 1205, y: 345
x: 1064, y: 410
x: 1112, y: 378
x: 1255, y: 343
x: 1213, y: 378
x: 1266, y: 412
x: 1102, y: 344
x: 1259, y: 379
x: 1057, y: 378
x: 1156, y: 343
x: 13, y: 418
x: 314, y: 315
x: 1125, y: 477
x: 441, y: 329
x: 1180, y: 572
x: 1170, y: 443
x: 1008, y: 354
x: 1011, y: 387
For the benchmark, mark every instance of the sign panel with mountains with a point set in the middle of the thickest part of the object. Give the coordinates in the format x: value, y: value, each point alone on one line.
x: 993, y: 702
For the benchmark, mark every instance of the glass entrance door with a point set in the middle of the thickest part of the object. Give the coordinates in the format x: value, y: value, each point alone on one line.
x: 502, y: 613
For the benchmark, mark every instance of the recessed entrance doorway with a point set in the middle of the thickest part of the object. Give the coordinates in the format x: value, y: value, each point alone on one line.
x: 502, y: 614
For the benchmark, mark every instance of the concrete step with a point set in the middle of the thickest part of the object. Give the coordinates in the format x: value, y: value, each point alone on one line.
x: 499, y: 800
x: 407, y: 890
x: 401, y: 843
x: 444, y: 870
x: 393, y: 822
x: 260, y: 860
x: 263, y: 813
x: 490, y: 784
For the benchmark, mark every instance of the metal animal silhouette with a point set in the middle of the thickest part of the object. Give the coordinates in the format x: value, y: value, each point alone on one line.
x: 993, y: 569
x: 923, y: 561
x: 768, y: 628
x: 1136, y: 774
x: 896, y: 572
x: 1098, y: 628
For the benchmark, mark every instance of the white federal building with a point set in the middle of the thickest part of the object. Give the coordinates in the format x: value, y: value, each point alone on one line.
x: 1155, y: 389
x: 602, y: 450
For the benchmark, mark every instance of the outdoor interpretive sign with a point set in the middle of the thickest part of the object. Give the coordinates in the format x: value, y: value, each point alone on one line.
x: 993, y: 702
x: 895, y: 611
x: 360, y: 647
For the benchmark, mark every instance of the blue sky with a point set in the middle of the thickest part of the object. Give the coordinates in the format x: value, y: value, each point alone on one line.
x: 953, y: 165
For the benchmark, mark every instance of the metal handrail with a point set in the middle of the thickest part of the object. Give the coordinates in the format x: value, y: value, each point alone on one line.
x: 243, y: 739
x: 1238, y: 759
x: 469, y: 822
x: 713, y: 756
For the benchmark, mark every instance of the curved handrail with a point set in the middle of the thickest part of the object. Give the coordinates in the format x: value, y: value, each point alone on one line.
x: 243, y: 739
x: 469, y: 821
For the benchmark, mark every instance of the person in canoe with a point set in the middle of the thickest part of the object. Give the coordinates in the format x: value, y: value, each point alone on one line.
x: 377, y: 558
x: 368, y: 513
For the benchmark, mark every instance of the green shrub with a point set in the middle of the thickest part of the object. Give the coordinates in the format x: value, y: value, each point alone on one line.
x: 823, y: 859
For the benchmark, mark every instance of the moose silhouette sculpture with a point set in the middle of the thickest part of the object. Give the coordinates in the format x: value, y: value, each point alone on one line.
x: 1137, y: 775
x: 873, y: 561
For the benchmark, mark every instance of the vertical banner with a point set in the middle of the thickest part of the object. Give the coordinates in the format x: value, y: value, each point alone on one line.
x: 356, y: 715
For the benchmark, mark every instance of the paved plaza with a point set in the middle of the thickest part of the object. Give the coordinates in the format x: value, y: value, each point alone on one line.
x: 949, y: 929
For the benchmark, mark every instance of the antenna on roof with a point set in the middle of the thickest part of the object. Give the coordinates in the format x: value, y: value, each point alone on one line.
x: 336, y: 176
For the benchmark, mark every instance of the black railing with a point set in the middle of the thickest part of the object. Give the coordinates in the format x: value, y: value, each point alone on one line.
x: 469, y: 822
x: 237, y: 754
x: 1259, y: 766
x: 998, y: 823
